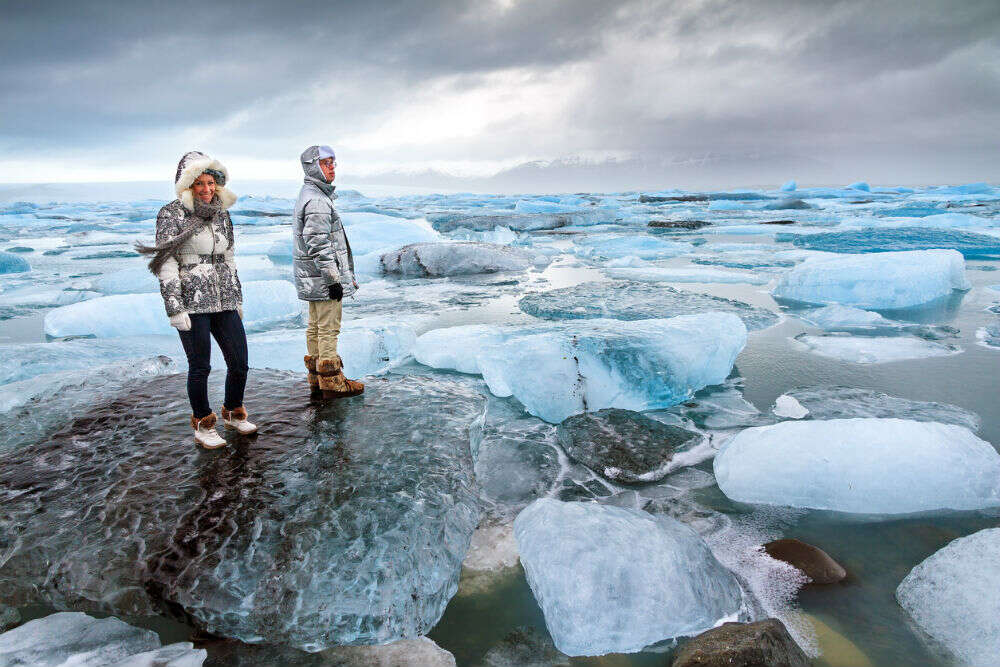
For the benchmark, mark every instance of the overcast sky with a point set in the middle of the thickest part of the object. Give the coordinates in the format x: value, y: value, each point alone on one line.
x: 885, y: 91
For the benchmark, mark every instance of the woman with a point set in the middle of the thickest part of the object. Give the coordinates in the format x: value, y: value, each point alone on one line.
x: 193, y: 259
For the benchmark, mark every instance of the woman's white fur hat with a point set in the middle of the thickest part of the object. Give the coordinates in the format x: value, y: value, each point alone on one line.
x: 192, y: 165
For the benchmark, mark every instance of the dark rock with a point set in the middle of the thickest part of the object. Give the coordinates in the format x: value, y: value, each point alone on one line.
x: 623, y: 446
x: 861, y: 201
x: 678, y: 224
x: 525, y: 647
x: 655, y: 199
x: 813, y: 561
x: 341, y: 522
x: 778, y: 222
x: 20, y: 248
x: 788, y: 204
x: 762, y: 644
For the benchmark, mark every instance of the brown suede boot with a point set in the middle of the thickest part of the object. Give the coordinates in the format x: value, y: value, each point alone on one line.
x: 313, y: 377
x: 332, y: 380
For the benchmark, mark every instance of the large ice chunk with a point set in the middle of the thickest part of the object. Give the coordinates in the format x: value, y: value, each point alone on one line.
x: 615, y: 580
x: 557, y: 370
x: 953, y: 596
x: 631, y: 300
x: 889, y: 280
x: 453, y: 259
x: 347, y: 524
x: 73, y: 639
x: 876, y: 240
x: 872, y: 466
x: 265, y: 303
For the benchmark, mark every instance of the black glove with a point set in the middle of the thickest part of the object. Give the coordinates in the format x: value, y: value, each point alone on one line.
x: 336, y: 291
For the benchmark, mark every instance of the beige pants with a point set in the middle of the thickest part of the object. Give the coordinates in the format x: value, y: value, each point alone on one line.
x: 323, y: 329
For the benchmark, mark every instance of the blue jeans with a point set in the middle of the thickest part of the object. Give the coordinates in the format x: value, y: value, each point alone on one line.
x: 227, y: 329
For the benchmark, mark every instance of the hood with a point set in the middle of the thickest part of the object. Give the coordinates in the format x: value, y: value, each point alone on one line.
x: 192, y: 165
x: 310, y: 166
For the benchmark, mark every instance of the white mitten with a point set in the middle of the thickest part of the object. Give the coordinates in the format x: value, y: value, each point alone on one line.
x: 239, y: 310
x: 181, y: 321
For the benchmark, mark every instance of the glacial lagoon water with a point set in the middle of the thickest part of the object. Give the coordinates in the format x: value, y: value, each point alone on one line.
x: 601, y: 259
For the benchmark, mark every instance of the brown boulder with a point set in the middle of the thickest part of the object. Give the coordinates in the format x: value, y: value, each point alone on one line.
x: 762, y: 644
x: 813, y: 561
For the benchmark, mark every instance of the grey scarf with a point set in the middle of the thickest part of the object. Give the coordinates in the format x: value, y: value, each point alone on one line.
x: 203, y: 214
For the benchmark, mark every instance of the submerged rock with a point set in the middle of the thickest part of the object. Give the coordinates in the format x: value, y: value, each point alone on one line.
x: 762, y: 644
x: 628, y: 300
x: 622, y: 445
x: 341, y: 523
x: 611, y: 579
x: 953, y: 596
x: 68, y: 639
x: 525, y: 647
x: 812, y: 561
x: 419, y: 652
x: 453, y: 259
x: 871, y: 466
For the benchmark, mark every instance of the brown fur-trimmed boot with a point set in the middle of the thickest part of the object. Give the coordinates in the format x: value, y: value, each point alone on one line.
x: 332, y: 380
x: 313, y: 377
x: 205, y: 433
x: 237, y: 419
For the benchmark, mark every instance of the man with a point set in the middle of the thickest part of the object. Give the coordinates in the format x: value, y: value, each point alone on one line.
x: 324, y: 272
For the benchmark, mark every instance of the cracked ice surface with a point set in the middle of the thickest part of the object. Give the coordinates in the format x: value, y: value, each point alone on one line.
x: 560, y: 369
x: 861, y: 465
x: 595, y: 601
x: 629, y: 300
x: 340, y: 523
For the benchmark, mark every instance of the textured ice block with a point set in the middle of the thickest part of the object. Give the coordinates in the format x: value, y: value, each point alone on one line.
x: 954, y: 597
x: 614, y: 580
x: 454, y: 259
x: 871, y: 466
x: 880, y: 280
x: 873, y: 349
x: 878, y: 240
x: 346, y: 523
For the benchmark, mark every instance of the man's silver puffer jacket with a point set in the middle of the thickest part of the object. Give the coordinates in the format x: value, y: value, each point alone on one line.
x: 321, y: 254
x: 200, y: 276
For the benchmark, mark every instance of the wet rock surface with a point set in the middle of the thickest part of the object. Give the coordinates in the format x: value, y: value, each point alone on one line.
x: 632, y: 300
x: 341, y: 522
x: 622, y: 445
x: 813, y: 561
x: 678, y: 224
x: 762, y: 644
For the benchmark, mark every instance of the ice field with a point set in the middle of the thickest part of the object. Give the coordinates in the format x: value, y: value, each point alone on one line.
x: 585, y: 414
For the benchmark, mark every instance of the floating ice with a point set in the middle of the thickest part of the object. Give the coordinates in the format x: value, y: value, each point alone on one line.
x: 860, y: 185
x: 889, y: 280
x: 989, y: 336
x: 629, y: 300
x: 453, y: 259
x: 367, y: 347
x: 382, y: 233
x: 11, y: 263
x: 787, y: 406
x: 72, y: 639
x: 624, y: 446
x: 642, y: 246
x: 878, y: 240
x: 836, y: 317
x: 557, y: 370
x: 347, y: 524
x: 266, y: 303
x: 448, y: 222
x: 684, y: 275
x: 953, y: 597
x: 595, y: 601
x: 789, y: 186
x: 844, y: 402
x: 863, y: 465
x: 873, y: 349
x: 787, y: 204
